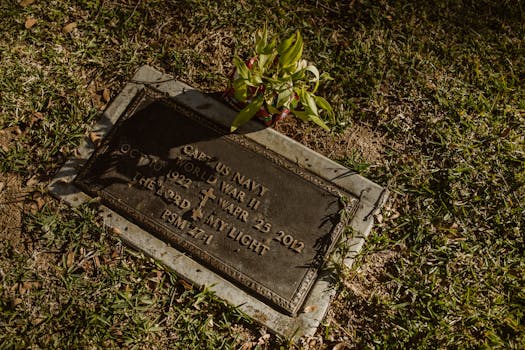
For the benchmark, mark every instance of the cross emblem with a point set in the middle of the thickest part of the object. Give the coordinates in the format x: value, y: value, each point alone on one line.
x: 197, y: 212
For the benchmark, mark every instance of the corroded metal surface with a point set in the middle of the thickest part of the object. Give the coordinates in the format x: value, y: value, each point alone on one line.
x: 242, y: 210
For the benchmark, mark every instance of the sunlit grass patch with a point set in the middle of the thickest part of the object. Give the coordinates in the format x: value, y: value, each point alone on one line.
x: 435, y: 90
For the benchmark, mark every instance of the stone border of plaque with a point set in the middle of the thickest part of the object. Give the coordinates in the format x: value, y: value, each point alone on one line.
x: 298, y: 316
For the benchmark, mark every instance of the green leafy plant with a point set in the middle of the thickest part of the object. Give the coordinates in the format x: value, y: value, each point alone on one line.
x: 277, y: 82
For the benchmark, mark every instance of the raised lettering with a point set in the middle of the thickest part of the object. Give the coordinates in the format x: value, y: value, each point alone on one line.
x: 125, y: 148
x: 264, y: 249
x: 246, y: 239
x: 243, y: 216
x: 174, y: 219
x: 249, y: 184
x: 195, y: 153
x: 211, y: 180
x: 254, y: 204
x: 188, y: 167
x: 222, y: 169
x: 254, y: 245
x: 134, y: 153
x: 231, y: 234
x: 232, y: 191
x: 233, y: 210
x: 179, y: 162
x: 196, y: 232
x: 216, y: 223
x: 224, y: 203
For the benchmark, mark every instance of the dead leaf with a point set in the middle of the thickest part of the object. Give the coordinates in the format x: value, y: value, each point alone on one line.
x: 40, y: 203
x: 312, y: 342
x: 37, y: 320
x: 115, y: 231
x: 30, y: 22
x: 68, y: 28
x: 2, y: 186
x: 70, y: 258
x: 95, y: 138
x: 186, y: 284
x: 37, y: 116
x: 339, y: 346
x: 105, y: 95
x: 310, y: 308
x: 33, y: 180
x: 27, y: 286
x: 248, y: 345
x: 263, y: 339
x: 394, y: 215
x: 96, y: 261
x: 25, y: 3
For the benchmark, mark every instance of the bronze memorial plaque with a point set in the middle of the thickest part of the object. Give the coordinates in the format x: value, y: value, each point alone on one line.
x: 239, y: 209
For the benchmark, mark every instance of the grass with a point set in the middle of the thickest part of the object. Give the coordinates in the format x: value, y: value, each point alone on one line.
x: 441, y: 82
x: 82, y: 289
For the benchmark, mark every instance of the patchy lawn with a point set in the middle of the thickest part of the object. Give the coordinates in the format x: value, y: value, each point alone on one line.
x: 430, y: 101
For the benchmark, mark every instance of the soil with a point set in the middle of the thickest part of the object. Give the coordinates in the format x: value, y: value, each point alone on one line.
x: 19, y: 196
x: 11, y: 200
x: 11, y: 206
x: 365, y: 290
x: 358, y: 140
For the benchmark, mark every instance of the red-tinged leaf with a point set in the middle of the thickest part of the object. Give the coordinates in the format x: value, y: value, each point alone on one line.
x: 250, y: 62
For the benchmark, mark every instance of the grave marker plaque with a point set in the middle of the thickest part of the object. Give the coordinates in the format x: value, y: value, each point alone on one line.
x: 240, y: 209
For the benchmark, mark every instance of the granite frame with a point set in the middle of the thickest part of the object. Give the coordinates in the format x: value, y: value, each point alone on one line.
x: 371, y: 198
